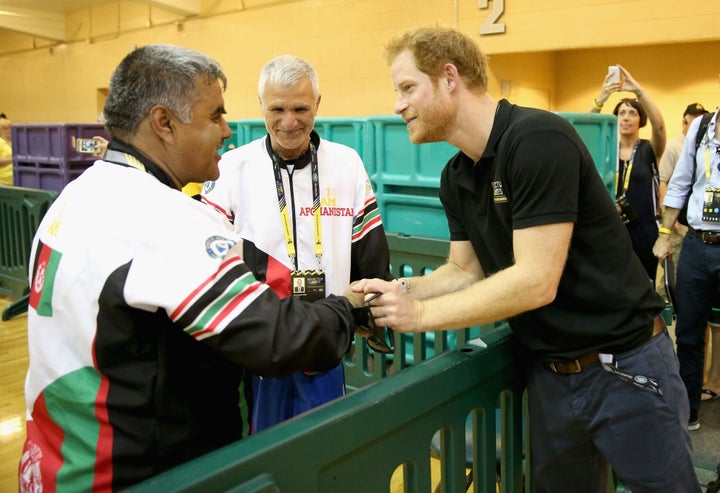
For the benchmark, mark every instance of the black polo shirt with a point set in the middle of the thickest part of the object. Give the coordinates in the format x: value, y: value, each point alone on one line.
x: 536, y: 170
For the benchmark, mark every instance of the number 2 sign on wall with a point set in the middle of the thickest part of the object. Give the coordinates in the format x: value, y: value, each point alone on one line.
x: 490, y: 25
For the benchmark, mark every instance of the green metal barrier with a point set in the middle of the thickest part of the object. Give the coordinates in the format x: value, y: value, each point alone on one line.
x: 21, y: 210
x: 355, y: 443
x: 409, y: 256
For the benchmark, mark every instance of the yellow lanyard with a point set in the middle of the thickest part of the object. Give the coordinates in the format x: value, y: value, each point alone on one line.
x: 628, y: 171
x: 285, y: 215
x: 707, y: 166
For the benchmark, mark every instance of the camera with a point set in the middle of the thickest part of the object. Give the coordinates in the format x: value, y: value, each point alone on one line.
x: 614, y: 73
x: 626, y: 211
x: 87, y: 146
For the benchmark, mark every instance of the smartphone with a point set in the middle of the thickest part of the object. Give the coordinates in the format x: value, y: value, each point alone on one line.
x: 87, y: 146
x: 614, y: 73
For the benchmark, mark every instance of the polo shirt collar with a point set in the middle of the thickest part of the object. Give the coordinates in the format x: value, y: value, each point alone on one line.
x: 465, y: 167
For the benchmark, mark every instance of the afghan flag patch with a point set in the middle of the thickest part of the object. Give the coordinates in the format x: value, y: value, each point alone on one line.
x: 43, y: 279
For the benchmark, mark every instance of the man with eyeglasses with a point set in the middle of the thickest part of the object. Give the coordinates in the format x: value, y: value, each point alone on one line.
x: 698, y: 274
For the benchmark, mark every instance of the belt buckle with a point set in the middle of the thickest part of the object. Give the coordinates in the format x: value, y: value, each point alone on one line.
x: 576, y: 369
x: 709, y: 238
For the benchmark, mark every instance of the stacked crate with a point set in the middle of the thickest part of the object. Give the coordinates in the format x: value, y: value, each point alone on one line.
x: 234, y: 140
x: 44, y: 156
x: 407, y: 178
x: 599, y: 133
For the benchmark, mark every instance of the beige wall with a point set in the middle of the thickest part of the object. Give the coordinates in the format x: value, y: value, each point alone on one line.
x: 553, y: 54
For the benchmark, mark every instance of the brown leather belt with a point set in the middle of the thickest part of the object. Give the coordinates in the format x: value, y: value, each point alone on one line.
x: 708, y: 237
x: 569, y: 367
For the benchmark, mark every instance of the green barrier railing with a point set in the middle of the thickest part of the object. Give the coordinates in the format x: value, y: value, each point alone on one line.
x: 409, y: 256
x: 21, y: 210
x: 355, y: 443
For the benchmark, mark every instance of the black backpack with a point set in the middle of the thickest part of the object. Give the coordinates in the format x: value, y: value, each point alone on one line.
x: 702, y: 130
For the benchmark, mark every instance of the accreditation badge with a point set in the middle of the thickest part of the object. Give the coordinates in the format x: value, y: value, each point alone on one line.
x: 711, y: 205
x: 308, y: 284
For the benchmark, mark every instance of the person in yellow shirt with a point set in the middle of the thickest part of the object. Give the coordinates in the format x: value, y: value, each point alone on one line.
x: 6, y: 165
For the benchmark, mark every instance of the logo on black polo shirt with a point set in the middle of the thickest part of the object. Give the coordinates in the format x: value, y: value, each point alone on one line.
x: 499, y: 196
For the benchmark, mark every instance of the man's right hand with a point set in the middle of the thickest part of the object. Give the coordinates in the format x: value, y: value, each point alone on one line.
x: 356, y: 299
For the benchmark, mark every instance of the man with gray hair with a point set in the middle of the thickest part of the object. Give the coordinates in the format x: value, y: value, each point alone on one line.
x: 307, y: 215
x: 143, y: 315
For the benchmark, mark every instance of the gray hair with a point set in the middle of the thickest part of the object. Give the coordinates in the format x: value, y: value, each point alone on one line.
x: 286, y: 71
x: 153, y: 75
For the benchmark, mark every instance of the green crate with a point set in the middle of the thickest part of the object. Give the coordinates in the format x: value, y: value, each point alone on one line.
x: 251, y: 129
x: 346, y: 131
x: 234, y: 140
x: 21, y: 210
x: 407, y: 178
x: 599, y: 133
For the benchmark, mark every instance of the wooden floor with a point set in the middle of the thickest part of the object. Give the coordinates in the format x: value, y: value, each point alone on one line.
x: 13, y: 366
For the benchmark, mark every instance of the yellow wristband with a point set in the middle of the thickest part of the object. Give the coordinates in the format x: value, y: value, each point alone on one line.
x: 665, y: 231
x: 596, y: 106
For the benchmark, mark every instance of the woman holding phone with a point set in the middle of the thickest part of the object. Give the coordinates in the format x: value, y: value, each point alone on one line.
x: 636, y: 175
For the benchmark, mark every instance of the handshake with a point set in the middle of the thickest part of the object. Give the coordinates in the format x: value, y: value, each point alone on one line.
x: 379, y: 339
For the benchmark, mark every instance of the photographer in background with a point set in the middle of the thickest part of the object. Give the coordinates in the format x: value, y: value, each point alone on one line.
x: 637, y: 185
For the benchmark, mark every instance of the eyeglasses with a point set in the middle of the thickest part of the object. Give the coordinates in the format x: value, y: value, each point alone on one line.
x: 381, y: 339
